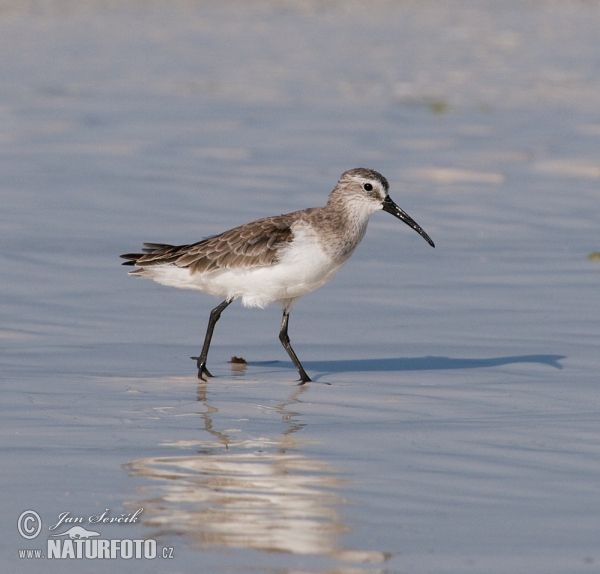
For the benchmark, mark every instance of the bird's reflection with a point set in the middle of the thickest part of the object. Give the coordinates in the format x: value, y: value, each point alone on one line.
x: 261, y: 494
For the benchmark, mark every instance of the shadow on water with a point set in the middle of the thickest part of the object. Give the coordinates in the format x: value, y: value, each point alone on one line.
x: 429, y: 363
x: 259, y: 494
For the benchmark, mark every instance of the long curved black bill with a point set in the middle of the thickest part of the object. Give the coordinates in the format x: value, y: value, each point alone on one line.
x: 391, y: 207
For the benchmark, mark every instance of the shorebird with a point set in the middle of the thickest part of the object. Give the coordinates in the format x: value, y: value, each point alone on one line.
x: 275, y: 259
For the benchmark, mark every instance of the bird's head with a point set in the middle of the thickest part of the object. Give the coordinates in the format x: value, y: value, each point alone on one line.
x: 367, y: 190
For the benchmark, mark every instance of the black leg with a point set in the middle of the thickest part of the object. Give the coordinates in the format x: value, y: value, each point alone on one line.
x: 285, y: 341
x: 215, y: 314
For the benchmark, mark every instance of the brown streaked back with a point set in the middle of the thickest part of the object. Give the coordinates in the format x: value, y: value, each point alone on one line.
x: 250, y: 245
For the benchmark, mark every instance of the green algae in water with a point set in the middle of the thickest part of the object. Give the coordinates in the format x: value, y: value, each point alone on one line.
x: 595, y: 256
x: 438, y: 107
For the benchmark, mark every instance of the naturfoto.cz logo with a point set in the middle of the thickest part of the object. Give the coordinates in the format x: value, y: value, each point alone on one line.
x: 78, y: 542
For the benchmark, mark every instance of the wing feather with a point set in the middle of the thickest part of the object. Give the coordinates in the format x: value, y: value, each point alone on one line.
x: 250, y: 245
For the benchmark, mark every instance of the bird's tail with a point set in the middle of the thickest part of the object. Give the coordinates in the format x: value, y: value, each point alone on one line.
x: 152, y: 254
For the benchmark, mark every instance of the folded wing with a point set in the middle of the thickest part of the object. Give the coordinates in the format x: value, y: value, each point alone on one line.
x: 250, y: 245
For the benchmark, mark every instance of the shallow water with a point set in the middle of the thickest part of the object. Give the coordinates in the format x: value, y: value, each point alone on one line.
x: 453, y: 422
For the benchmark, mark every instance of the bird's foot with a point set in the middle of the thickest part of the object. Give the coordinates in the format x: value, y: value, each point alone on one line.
x: 203, y: 372
x: 304, y: 378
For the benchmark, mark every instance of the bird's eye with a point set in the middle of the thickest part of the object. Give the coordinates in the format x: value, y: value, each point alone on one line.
x: 368, y: 187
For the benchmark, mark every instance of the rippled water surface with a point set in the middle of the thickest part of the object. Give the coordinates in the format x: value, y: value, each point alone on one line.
x: 452, y: 425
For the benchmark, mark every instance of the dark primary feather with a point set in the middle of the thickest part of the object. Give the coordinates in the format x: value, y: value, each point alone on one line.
x: 249, y: 245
